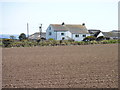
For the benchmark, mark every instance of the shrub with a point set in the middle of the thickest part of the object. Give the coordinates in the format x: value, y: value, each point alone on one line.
x: 74, y: 43
x: 118, y: 40
x: 7, y: 42
x: 38, y: 40
x: 1, y: 44
x: 104, y: 41
x: 51, y: 39
x: 71, y: 40
x: 89, y: 38
x: 66, y: 42
x: 100, y: 38
x: 107, y: 38
x: 81, y: 43
x: 93, y: 42
x: 112, y: 41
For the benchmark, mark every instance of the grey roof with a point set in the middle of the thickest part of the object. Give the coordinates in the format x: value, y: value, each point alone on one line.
x: 73, y: 28
x: 58, y: 27
x: 94, y: 32
x: 115, y: 31
x: 37, y: 35
x: 111, y: 34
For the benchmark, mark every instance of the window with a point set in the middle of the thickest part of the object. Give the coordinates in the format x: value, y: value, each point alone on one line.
x: 63, y: 38
x: 62, y: 33
x: 76, y: 35
x: 84, y: 35
x: 49, y: 28
x: 50, y: 33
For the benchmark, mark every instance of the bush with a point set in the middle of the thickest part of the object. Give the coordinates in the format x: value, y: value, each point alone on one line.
x: 118, y: 40
x: 100, y: 38
x: 89, y: 38
x: 104, y: 41
x: 107, y: 38
x: 74, y: 43
x: 7, y: 42
x: 66, y: 42
x: 71, y: 40
x: 93, y: 42
x: 1, y: 44
x: 16, y: 44
x: 81, y: 43
x: 51, y: 39
x: 112, y: 41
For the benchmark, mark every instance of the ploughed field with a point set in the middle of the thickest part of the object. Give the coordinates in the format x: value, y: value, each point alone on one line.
x: 85, y: 66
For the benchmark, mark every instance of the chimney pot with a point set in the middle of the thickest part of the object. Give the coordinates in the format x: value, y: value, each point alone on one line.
x: 63, y: 23
x: 83, y: 24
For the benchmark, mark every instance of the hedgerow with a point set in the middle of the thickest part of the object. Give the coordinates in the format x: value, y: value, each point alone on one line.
x: 30, y: 43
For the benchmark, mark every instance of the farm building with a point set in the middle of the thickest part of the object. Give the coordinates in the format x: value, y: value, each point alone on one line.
x: 36, y: 36
x: 67, y: 32
x: 115, y: 34
x: 94, y: 32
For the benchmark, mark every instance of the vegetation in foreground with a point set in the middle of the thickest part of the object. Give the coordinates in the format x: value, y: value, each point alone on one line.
x: 24, y: 42
x: 30, y: 43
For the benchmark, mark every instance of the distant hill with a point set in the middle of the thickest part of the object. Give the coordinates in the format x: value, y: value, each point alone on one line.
x: 7, y: 36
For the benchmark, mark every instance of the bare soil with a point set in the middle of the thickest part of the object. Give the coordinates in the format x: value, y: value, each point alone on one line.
x: 85, y: 66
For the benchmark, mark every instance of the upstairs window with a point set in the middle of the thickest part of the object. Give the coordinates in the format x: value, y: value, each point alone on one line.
x: 49, y: 28
x: 76, y: 35
x: 50, y: 33
x: 84, y: 35
x: 62, y: 34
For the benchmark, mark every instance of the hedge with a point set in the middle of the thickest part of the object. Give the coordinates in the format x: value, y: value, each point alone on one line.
x: 27, y: 43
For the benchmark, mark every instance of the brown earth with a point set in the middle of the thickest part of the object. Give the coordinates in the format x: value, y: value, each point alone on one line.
x: 85, y: 66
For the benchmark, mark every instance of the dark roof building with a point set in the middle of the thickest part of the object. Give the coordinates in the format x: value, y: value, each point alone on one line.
x: 36, y: 35
x: 94, y: 32
x: 113, y: 35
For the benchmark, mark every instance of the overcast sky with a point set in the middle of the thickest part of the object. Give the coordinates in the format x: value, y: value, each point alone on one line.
x: 96, y: 14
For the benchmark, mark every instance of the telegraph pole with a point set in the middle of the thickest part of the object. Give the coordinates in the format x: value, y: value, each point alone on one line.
x: 27, y: 30
x: 40, y: 29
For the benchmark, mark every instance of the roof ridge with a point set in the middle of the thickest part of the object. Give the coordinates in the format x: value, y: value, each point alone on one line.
x: 66, y: 24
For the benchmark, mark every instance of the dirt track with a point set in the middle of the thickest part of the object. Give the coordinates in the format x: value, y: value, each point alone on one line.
x: 87, y: 66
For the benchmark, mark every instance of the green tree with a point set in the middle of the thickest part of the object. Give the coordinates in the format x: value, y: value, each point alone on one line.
x: 12, y: 37
x: 22, y: 36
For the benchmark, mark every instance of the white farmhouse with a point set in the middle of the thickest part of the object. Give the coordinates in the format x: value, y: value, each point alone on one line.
x: 66, y: 32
